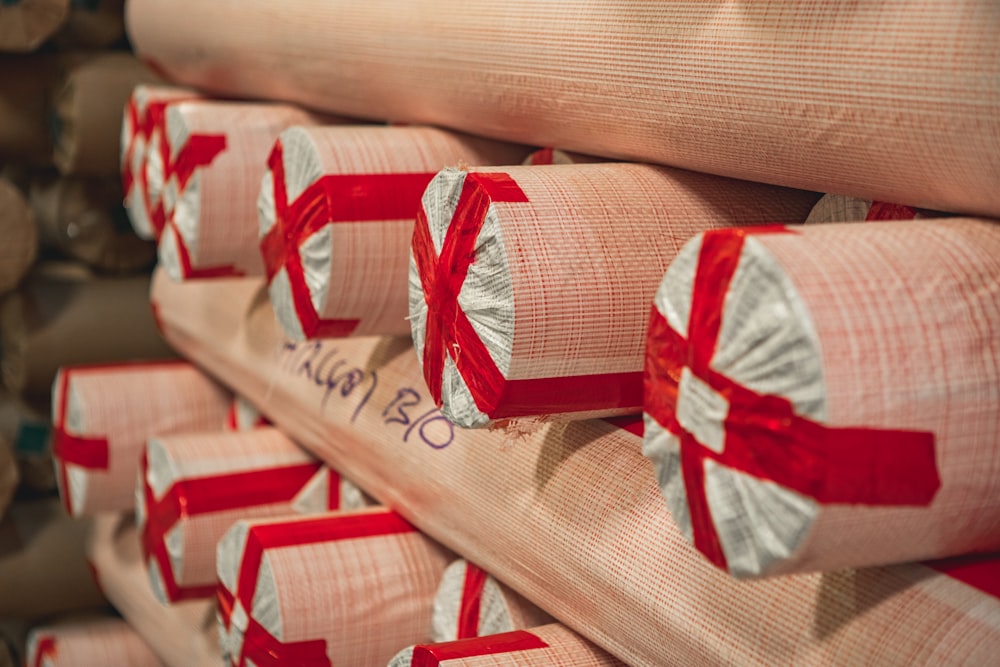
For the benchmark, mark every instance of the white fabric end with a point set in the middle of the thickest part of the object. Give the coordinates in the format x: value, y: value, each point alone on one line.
x: 316, y: 253
x: 229, y: 553
x: 169, y: 255
x: 402, y: 659
x: 663, y: 449
x: 266, y: 608
x: 283, y: 304
x: 702, y: 411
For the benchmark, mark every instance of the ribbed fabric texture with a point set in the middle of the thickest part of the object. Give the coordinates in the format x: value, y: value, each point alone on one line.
x: 88, y: 642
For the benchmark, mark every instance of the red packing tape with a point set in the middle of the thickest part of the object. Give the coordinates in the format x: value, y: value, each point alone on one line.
x: 432, y: 655
x: 471, y: 602
x: 763, y: 435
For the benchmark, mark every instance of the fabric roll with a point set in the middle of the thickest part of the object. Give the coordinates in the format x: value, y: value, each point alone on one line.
x: 192, y: 487
x: 25, y: 99
x: 19, y: 234
x: 10, y: 475
x: 104, y: 414
x: 810, y: 399
x: 215, y: 156
x: 181, y: 634
x: 27, y: 24
x: 551, y: 644
x: 776, y: 92
x: 63, y: 315
x: 141, y: 155
x: 92, y: 24
x: 346, y: 588
x: 43, y: 562
x: 574, y: 519
x: 87, y: 111
x: 83, y: 218
x: 88, y: 643
x: 545, y: 156
x: 841, y: 208
x: 528, y: 294
x: 470, y: 602
x: 29, y: 431
x: 336, y: 216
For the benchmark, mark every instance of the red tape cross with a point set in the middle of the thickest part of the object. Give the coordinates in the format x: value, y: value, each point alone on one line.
x: 432, y: 655
x: 204, y: 495
x: 333, y: 198
x: 45, y: 648
x: 450, y: 332
x: 763, y: 435
x: 258, y: 643
x: 471, y: 602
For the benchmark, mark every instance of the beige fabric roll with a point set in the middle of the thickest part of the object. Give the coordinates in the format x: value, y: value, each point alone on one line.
x: 29, y: 431
x: 88, y: 642
x: 215, y: 156
x: 64, y: 315
x: 43, y: 563
x: 104, y: 414
x: 530, y: 285
x: 26, y: 24
x: 26, y: 87
x: 544, y: 646
x: 336, y: 217
x: 87, y: 107
x: 92, y: 24
x: 19, y: 234
x: 83, y: 218
x: 470, y: 602
x: 896, y: 100
x: 570, y: 514
x: 182, y: 634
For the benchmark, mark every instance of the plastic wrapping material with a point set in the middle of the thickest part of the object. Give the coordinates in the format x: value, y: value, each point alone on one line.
x: 104, y: 414
x: 345, y: 588
x: 193, y: 487
x: 826, y: 397
x: 83, y: 218
x: 25, y: 92
x: 87, y: 111
x: 27, y: 24
x: 470, y: 602
x: 840, y: 208
x: 19, y: 234
x: 64, y: 315
x: 530, y: 286
x: 92, y: 24
x: 777, y: 92
x: 89, y: 642
x: 336, y: 217
x: 43, y: 562
x: 543, y: 646
x: 182, y: 634
x: 215, y: 154
x: 141, y: 152
x: 570, y: 515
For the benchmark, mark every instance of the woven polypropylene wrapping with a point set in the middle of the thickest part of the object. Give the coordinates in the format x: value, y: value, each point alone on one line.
x: 104, y: 414
x: 570, y: 515
x: 216, y: 153
x: 19, y: 234
x: 779, y: 92
x: 194, y: 486
x: 182, y: 633
x: 329, y: 490
x: 142, y: 173
x: 875, y: 347
x: 88, y: 643
x: 547, y: 315
x: 25, y: 25
x: 841, y: 208
x: 336, y: 217
x: 343, y: 588
x: 471, y: 603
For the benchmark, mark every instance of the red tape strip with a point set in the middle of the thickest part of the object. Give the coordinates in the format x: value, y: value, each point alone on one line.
x: 432, y: 655
x: 45, y: 648
x: 763, y: 435
x: 471, y: 601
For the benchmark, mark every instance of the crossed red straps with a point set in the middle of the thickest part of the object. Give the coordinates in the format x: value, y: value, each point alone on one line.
x: 332, y: 198
x: 258, y: 644
x: 449, y: 331
x: 763, y: 435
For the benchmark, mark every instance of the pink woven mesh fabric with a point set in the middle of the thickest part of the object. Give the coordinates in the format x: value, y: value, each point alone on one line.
x: 569, y: 515
x: 88, y: 642
x: 336, y: 218
x: 103, y: 415
x: 182, y: 633
x: 344, y: 588
x: 542, y: 646
x: 826, y: 397
x: 194, y: 486
x: 779, y: 92
x: 470, y: 602
x: 529, y: 294
x: 142, y: 128
x: 215, y: 155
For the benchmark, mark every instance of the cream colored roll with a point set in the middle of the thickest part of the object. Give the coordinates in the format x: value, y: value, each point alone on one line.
x: 336, y: 217
x: 88, y: 642
x: 19, y: 234
x: 92, y: 24
x: 26, y: 84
